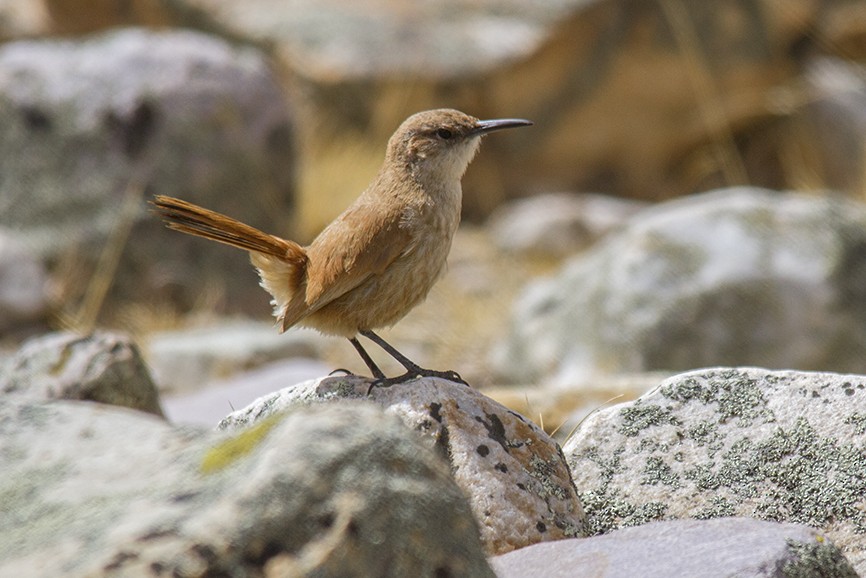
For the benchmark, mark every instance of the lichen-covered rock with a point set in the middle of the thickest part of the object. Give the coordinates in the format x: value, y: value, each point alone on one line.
x: 705, y: 548
x: 333, y: 491
x: 91, y: 128
x: 103, y: 367
x: 513, y: 474
x: 738, y: 276
x: 783, y: 446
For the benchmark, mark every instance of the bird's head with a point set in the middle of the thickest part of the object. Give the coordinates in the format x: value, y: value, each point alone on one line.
x: 442, y: 142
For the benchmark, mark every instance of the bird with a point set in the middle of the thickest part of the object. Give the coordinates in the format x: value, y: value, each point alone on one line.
x: 381, y: 256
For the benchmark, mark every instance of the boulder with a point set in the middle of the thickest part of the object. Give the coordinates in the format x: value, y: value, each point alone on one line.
x: 337, y: 490
x: 91, y: 128
x: 782, y: 446
x: 513, y: 474
x: 707, y: 548
x: 102, y: 367
x: 738, y: 276
x: 557, y: 225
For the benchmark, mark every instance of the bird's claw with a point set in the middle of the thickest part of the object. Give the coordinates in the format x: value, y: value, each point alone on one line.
x: 341, y: 370
x: 415, y: 374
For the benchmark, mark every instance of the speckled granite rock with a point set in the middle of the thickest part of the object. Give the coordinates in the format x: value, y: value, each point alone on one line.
x: 685, y: 549
x: 784, y: 446
x: 513, y: 473
x: 103, y: 367
x: 333, y: 491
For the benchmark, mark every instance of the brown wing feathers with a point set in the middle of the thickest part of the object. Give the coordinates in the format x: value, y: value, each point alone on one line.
x: 194, y: 220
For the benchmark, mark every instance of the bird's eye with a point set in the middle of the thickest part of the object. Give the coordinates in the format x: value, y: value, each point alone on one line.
x: 444, y: 133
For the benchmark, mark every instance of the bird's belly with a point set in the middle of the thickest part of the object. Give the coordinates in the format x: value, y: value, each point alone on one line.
x: 384, y: 299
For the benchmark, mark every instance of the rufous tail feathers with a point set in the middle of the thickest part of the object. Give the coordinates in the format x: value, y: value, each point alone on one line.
x: 281, y: 264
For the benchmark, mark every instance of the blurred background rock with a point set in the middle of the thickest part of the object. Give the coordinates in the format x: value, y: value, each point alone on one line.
x: 277, y: 112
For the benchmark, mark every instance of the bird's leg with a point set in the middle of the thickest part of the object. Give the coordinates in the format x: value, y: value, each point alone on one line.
x: 374, y: 369
x: 413, y: 370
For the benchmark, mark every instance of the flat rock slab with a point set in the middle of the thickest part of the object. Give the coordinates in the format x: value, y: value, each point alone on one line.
x: 513, y: 473
x: 775, y: 445
x: 684, y: 549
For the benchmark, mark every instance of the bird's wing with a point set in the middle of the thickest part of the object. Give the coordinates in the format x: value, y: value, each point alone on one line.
x: 359, y: 244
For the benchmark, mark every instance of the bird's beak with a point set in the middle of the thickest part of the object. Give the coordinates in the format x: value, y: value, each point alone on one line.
x: 483, y: 127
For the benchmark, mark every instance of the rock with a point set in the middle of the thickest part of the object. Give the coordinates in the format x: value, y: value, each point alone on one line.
x: 558, y: 225
x: 24, y: 301
x: 183, y: 360
x: 103, y: 367
x: 513, y: 473
x: 783, y: 446
x: 731, y: 277
x: 337, y: 490
x: 89, y: 129
x: 706, y: 548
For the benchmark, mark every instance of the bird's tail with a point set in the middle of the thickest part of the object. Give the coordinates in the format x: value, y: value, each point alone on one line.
x: 281, y: 264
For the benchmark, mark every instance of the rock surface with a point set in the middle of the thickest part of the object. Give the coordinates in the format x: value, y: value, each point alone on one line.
x: 736, y: 276
x: 102, y: 367
x: 513, y: 473
x: 782, y: 446
x: 338, y: 490
x: 90, y: 128
x: 682, y: 549
x: 558, y: 224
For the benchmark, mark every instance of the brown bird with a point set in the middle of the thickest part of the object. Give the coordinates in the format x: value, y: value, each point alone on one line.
x: 380, y: 257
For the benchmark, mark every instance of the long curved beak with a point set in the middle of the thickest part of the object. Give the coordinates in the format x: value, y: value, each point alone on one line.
x: 485, y: 126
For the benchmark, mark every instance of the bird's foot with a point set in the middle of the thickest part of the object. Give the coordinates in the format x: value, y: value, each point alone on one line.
x: 415, y: 373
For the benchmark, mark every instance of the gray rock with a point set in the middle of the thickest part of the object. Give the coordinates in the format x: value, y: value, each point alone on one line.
x: 782, y: 446
x: 186, y: 359
x: 334, y: 491
x: 103, y: 367
x: 558, y: 224
x: 684, y: 549
x: 90, y: 128
x: 731, y: 277
x: 24, y: 298
x: 513, y: 474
